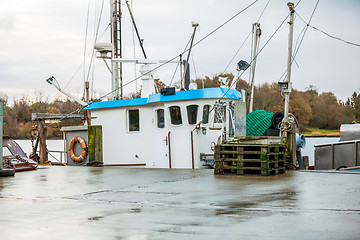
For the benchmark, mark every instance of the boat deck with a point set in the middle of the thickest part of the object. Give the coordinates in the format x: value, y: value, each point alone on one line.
x: 121, y: 203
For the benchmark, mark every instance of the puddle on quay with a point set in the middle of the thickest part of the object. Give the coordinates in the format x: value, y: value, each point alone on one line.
x: 264, y: 204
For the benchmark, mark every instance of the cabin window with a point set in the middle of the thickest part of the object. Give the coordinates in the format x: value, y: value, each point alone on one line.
x: 160, y: 119
x: 205, y: 116
x: 175, y: 115
x: 134, y: 123
x: 192, y: 113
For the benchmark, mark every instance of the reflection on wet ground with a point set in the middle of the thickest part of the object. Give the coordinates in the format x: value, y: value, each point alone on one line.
x: 123, y: 203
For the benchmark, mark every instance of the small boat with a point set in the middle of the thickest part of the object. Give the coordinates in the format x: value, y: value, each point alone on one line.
x: 15, y: 158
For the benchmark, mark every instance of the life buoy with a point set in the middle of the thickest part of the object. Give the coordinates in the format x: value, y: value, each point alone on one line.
x: 83, y: 146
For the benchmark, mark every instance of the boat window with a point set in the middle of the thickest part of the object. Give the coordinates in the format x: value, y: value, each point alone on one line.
x: 192, y: 113
x: 160, y: 119
x: 134, y: 124
x: 205, y: 116
x: 175, y: 115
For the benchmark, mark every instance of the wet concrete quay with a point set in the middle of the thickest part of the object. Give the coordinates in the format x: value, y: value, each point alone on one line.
x: 122, y: 203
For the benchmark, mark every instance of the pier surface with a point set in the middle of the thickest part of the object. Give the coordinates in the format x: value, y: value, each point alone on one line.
x: 121, y: 203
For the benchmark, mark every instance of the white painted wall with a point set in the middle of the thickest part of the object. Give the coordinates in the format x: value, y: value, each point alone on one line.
x: 150, y: 144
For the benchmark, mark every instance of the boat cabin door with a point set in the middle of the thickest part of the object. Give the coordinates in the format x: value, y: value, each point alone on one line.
x: 160, y: 150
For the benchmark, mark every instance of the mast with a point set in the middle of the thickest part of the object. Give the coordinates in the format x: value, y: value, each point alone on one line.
x: 117, y: 50
x: 257, y: 32
x: 186, y: 70
x: 288, y: 75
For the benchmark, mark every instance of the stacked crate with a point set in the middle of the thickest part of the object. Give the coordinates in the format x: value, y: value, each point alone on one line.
x: 241, y: 159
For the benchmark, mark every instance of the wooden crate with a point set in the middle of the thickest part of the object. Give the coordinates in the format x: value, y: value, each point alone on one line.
x: 241, y: 159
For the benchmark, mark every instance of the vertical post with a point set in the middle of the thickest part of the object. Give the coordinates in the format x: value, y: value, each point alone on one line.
x: 42, y: 139
x: 227, y: 120
x: 169, y: 144
x: 65, y: 149
x: 87, y: 88
x: 3, y: 172
x: 181, y: 70
x: 117, y: 51
x: 194, y: 25
x: 87, y: 99
x: 1, y: 133
x: 192, y: 149
x: 285, y: 124
x: 288, y: 75
x: 257, y: 32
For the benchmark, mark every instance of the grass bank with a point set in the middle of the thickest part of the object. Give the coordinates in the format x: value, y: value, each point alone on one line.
x: 315, y: 132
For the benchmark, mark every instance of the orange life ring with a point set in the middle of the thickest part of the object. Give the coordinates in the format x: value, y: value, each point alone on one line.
x: 83, y: 146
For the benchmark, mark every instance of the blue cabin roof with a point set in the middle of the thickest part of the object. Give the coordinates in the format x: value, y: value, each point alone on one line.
x: 206, y: 93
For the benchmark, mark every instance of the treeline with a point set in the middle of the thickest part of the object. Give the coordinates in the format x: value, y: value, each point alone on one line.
x: 17, y: 117
x: 311, y: 108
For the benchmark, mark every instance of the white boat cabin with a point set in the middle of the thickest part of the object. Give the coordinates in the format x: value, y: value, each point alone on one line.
x: 167, y: 131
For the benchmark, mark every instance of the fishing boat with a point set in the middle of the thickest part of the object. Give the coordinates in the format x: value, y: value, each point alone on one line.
x: 164, y: 128
x: 167, y: 127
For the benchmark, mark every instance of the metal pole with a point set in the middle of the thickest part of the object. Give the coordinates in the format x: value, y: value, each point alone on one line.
x: 42, y: 137
x: 227, y: 120
x: 194, y: 25
x: 288, y: 75
x: 87, y: 99
x: 169, y: 145
x: 117, y: 51
x: 257, y: 32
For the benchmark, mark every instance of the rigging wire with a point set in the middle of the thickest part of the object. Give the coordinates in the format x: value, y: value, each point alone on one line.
x: 73, y: 76
x: 134, y: 49
x: 107, y: 27
x: 195, y: 44
x: 96, y: 38
x: 327, y: 34
x: 262, y: 48
x: 86, y: 33
x: 223, y: 24
x: 83, y: 64
x: 247, y: 37
x: 193, y: 62
x: 296, y: 45
x: 337, y: 38
x: 237, y: 52
x: 234, y: 82
x: 179, y: 63
x: 302, y: 37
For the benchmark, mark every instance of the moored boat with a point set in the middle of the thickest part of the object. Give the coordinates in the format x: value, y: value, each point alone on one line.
x: 15, y: 158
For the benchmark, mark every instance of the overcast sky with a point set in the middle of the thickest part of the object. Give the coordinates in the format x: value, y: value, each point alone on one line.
x: 43, y: 38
